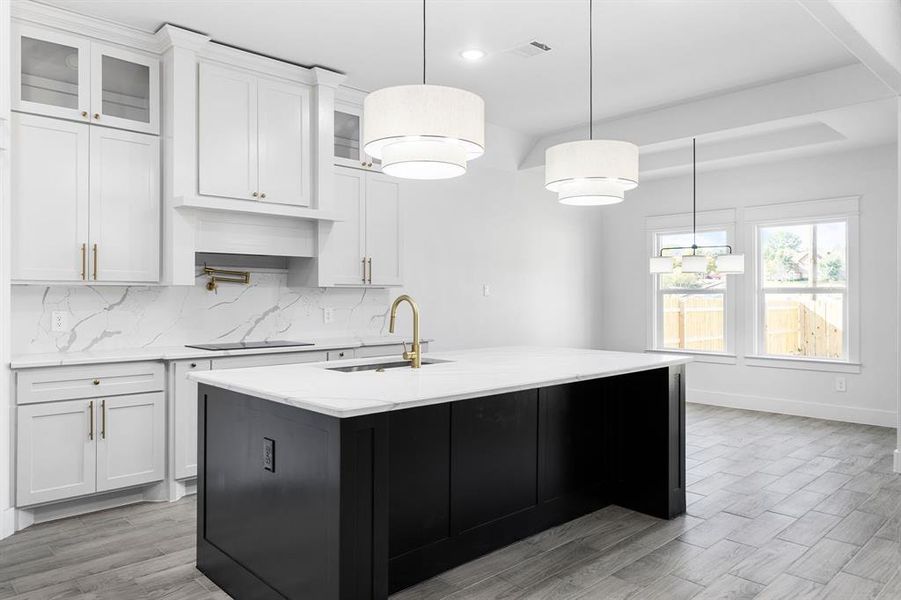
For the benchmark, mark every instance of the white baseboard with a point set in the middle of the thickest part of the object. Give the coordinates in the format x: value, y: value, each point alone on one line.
x: 801, y: 408
x: 898, y: 460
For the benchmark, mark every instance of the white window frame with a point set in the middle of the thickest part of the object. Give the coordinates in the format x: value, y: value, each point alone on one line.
x: 717, y: 220
x: 845, y: 209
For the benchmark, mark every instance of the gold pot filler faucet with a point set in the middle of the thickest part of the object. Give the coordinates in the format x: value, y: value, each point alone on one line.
x: 415, y: 355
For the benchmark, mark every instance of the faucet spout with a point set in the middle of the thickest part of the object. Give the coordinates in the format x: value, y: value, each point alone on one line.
x: 415, y: 354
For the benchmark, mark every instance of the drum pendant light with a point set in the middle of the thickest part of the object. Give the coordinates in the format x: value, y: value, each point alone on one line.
x: 591, y: 172
x: 729, y: 263
x: 423, y: 131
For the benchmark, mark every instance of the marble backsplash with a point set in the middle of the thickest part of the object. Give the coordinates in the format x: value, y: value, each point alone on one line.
x: 108, y: 317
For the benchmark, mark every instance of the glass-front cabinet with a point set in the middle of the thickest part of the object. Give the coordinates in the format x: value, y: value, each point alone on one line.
x: 349, y: 138
x: 124, y: 89
x: 71, y: 77
x: 51, y: 74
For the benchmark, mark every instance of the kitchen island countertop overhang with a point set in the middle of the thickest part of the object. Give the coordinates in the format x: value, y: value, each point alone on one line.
x: 460, y: 375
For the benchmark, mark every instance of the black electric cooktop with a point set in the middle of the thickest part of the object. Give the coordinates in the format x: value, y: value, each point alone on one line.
x: 249, y: 345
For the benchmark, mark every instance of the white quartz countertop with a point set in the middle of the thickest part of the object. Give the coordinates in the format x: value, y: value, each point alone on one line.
x: 56, y: 359
x: 466, y: 374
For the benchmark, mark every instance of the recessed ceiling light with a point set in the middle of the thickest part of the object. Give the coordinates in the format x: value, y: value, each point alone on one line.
x: 473, y: 54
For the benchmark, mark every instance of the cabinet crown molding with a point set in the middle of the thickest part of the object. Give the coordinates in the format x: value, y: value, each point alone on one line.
x: 169, y: 36
x: 65, y: 20
x: 326, y: 77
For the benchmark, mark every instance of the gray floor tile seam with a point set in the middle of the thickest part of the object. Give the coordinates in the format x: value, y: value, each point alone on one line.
x: 842, y: 570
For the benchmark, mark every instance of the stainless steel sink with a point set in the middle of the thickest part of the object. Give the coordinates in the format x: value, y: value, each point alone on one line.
x: 383, y: 366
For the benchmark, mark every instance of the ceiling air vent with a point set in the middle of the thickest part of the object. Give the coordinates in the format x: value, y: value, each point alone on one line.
x: 530, y: 49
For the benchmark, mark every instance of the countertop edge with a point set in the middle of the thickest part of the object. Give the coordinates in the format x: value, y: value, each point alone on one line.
x: 380, y: 406
x: 172, y: 353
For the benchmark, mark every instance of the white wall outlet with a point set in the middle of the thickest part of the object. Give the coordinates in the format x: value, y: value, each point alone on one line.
x: 841, y: 385
x: 59, y: 321
x: 328, y: 315
x: 486, y: 290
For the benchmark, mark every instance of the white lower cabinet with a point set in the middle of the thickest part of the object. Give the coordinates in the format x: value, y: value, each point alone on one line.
x: 56, y: 451
x: 77, y: 447
x: 131, y: 448
x: 185, y: 411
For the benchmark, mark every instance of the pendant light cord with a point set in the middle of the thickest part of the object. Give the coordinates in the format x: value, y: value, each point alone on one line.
x: 423, y: 42
x: 694, y: 196
x: 590, y: 72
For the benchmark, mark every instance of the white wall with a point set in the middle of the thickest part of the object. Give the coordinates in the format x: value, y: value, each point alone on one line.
x: 502, y: 229
x: 870, y: 173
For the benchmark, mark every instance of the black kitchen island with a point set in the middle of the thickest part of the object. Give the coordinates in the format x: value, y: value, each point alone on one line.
x: 332, y: 490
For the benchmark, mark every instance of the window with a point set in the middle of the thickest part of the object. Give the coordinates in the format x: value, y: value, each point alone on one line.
x: 802, y: 286
x: 691, y: 308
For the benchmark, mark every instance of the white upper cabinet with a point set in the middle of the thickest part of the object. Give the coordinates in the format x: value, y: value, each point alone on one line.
x: 50, y: 168
x: 125, y: 89
x: 349, y: 138
x: 51, y: 73
x: 343, y: 251
x: 227, y: 128
x: 254, y: 137
x: 383, y: 235
x: 125, y: 206
x: 85, y: 204
x: 284, y: 142
x: 70, y: 77
x: 364, y: 247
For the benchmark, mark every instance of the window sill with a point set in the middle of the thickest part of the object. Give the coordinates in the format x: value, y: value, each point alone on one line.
x: 720, y: 358
x: 806, y: 364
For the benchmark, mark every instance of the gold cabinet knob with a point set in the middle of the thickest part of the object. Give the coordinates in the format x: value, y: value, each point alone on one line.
x: 193, y: 365
x: 254, y: 194
x: 97, y: 116
x: 363, y: 163
x: 263, y: 195
x: 96, y: 382
x: 84, y: 113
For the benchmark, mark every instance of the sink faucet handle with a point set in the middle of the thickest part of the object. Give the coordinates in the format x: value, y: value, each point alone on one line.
x: 406, y: 352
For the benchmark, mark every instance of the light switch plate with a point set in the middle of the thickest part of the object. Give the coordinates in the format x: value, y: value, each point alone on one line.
x: 328, y: 315
x: 841, y: 385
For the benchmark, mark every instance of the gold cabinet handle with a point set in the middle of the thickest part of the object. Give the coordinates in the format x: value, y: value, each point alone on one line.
x: 103, y: 419
x: 96, y: 253
x: 84, y: 262
x: 370, y: 269
x: 91, y: 420
x: 364, y: 268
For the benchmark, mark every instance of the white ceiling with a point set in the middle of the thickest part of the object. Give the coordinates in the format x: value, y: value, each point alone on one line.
x: 648, y: 53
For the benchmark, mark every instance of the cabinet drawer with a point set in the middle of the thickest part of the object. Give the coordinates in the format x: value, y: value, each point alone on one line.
x: 88, y: 381
x: 341, y: 354
x: 264, y: 360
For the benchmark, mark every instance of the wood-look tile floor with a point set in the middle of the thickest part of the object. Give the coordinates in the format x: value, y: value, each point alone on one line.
x: 779, y: 508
